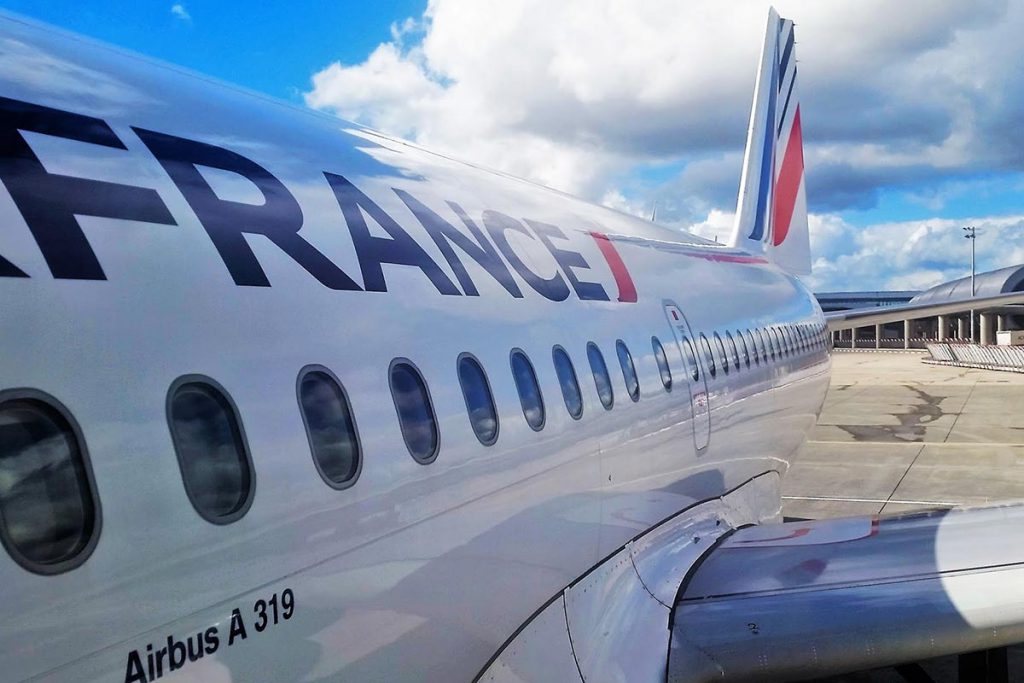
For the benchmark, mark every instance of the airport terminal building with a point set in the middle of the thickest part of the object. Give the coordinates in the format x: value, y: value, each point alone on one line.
x: 915, y: 333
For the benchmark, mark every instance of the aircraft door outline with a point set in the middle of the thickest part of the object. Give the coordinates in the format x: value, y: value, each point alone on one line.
x: 700, y: 407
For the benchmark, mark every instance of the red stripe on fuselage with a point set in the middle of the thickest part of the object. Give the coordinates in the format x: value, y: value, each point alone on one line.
x: 627, y: 290
x: 789, y: 182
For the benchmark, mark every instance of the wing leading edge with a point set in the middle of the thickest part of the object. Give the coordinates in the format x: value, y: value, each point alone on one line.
x: 802, y: 600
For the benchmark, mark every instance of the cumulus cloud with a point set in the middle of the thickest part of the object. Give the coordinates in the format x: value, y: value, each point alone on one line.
x: 179, y: 12
x: 909, y: 254
x: 580, y: 94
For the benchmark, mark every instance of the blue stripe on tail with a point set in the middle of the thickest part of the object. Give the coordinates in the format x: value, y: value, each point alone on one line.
x: 764, y: 184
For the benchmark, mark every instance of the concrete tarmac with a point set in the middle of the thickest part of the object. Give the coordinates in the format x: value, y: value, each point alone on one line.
x: 896, y: 434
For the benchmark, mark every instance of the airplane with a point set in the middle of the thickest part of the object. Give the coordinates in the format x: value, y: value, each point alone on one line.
x: 286, y: 399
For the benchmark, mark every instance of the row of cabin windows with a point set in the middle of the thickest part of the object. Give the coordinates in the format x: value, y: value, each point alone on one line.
x: 752, y: 347
x: 49, y: 510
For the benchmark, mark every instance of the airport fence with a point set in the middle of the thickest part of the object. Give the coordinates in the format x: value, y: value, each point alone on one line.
x: 868, y: 344
x: 1010, y: 358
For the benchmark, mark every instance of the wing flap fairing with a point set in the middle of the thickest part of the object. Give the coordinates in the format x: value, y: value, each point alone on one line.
x: 803, y: 600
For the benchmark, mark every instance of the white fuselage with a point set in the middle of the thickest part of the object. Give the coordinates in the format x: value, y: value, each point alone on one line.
x: 414, y: 571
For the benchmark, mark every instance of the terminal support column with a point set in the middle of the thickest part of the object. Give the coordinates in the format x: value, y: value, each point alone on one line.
x: 943, y: 330
x: 878, y: 336
x: 906, y: 334
x: 961, y: 328
x: 986, y: 329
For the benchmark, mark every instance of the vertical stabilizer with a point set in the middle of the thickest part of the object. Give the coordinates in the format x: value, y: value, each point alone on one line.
x: 771, y: 212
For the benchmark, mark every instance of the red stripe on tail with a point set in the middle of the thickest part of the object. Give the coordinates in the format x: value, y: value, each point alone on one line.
x: 789, y: 182
x: 627, y: 290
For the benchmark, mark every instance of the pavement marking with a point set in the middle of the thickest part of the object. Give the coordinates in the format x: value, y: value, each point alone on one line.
x: 874, y: 500
x: 961, y: 412
x: 994, y: 444
x: 905, y: 473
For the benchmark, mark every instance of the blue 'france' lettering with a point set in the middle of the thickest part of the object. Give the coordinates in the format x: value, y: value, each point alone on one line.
x: 497, y: 224
x: 445, y: 235
x: 49, y: 202
x: 567, y: 260
x: 227, y: 222
x: 400, y: 249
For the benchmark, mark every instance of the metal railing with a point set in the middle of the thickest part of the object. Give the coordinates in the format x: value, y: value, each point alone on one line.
x: 1001, y: 357
x: 868, y: 344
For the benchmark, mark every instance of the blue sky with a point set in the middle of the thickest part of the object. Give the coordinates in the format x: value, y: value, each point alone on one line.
x: 273, y: 47
x: 912, y: 125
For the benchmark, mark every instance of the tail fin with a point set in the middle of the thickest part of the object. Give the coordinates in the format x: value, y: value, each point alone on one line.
x: 771, y: 212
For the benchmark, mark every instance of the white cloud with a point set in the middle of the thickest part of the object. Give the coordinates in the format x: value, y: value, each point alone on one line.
x: 580, y: 93
x: 614, y: 199
x: 909, y: 254
x: 179, y: 11
x: 716, y: 227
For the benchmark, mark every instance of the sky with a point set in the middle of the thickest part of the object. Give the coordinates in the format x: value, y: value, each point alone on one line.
x: 913, y: 112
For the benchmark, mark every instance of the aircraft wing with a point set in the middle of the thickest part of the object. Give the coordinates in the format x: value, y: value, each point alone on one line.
x: 841, y: 320
x: 802, y: 600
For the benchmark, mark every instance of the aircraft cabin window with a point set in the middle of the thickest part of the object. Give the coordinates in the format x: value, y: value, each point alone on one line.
x: 49, y: 511
x: 777, y: 338
x: 568, y: 381
x: 601, y: 379
x: 529, y: 390
x: 693, y: 367
x: 762, y: 349
x: 755, y: 354
x: 483, y: 417
x: 329, y: 427
x: 662, y: 360
x: 744, y: 349
x: 628, y: 370
x: 722, y: 358
x: 212, y: 452
x: 709, y: 359
x: 415, y: 411
x: 734, y: 349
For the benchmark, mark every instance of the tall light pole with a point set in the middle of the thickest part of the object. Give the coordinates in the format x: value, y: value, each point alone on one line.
x: 971, y: 234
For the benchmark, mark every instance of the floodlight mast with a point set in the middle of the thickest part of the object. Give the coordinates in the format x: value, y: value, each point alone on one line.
x: 971, y: 234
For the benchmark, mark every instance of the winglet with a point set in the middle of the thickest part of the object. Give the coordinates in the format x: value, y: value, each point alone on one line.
x: 771, y: 212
